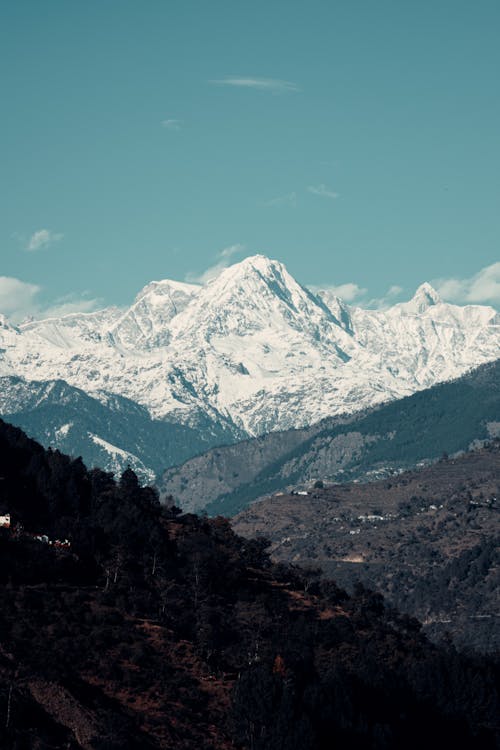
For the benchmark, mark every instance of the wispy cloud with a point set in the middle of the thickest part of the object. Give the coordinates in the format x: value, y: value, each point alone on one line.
x: 272, y: 85
x: 222, y: 261
x: 394, y: 291
x: 228, y: 252
x: 171, y: 124
x: 290, y: 199
x: 347, y: 292
x: 323, y: 191
x: 387, y: 300
x: 19, y: 300
x: 42, y: 238
x: 70, y: 303
x: 355, y: 294
x: 482, y: 287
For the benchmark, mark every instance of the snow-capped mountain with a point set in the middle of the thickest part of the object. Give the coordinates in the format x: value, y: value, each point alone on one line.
x: 145, y: 325
x: 251, y: 351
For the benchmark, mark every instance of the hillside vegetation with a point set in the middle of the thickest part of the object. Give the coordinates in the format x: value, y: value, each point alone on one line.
x: 427, y: 539
x: 162, y: 630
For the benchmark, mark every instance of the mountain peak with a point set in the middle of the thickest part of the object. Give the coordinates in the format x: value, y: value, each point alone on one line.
x: 428, y: 292
x: 167, y: 287
x: 253, y: 273
x: 425, y: 297
x: 145, y: 325
x: 260, y: 263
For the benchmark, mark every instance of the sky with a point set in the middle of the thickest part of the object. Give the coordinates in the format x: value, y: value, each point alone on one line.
x: 355, y: 141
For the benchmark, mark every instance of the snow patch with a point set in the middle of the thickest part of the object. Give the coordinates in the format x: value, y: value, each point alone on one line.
x: 63, y: 431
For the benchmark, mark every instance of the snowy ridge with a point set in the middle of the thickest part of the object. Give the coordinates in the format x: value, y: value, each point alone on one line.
x: 118, y: 459
x: 253, y: 349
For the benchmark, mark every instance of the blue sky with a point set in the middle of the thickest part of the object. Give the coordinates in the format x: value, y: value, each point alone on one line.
x: 355, y: 141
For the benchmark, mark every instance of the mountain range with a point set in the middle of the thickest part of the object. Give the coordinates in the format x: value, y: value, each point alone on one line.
x: 251, y: 352
x: 382, y: 441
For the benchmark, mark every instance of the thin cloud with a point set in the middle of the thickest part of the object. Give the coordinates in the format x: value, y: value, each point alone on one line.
x: 70, y: 303
x: 353, y: 293
x: 171, y: 124
x: 19, y: 301
x: 386, y: 301
x: 323, y: 191
x: 228, y: 252
x: 272, y: 85
x: 17, y: 298
x: 347, y: 292
x: 214, y: 270
x: 394, y: 291
x: 42, y: 238
x: 483, y: 287
x: 290, y: 199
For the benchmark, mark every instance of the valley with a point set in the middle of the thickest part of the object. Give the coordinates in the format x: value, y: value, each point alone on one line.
x: 427, y: 539
x: 449, y: 417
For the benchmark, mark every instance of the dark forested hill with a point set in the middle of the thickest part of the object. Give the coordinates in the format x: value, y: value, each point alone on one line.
x: 111, y: 431
x: 151, y: 629
x: 427, y: 539
x: 398, y: 435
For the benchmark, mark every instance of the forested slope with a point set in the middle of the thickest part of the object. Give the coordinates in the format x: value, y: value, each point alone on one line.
x: 161, y: 630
